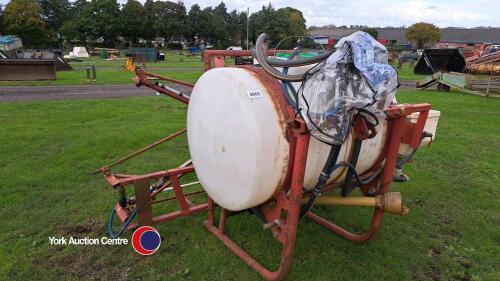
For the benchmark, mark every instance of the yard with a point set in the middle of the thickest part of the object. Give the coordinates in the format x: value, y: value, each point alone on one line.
x: 176, y: 65
x: 405, y: 73
x: 111, y: 72
x: 48, y: 150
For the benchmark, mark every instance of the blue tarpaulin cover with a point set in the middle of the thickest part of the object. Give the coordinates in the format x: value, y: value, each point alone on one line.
x: 7, y: 39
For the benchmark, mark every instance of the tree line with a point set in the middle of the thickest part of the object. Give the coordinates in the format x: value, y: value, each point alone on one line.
x: 50, y: 23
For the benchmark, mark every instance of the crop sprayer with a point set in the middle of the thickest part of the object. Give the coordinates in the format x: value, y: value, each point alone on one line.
x: 275, y: 137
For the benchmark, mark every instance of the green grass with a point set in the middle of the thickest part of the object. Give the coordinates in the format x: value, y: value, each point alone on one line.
x: 48, y: 149
x: 104, y: 77
x: 406, y: 72
x: 172, y: 60
x: 110, y: 72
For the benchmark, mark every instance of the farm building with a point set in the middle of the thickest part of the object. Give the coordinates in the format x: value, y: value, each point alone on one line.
x: 450, y: 37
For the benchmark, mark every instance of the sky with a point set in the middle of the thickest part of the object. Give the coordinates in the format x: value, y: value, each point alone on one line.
x: 443, y: 13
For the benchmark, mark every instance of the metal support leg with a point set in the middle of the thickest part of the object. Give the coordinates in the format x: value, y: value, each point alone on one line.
x: 143, y: 202
x: 287, y: 233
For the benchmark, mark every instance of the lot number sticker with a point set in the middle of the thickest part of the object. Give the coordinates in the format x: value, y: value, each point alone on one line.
x: 253, y: 94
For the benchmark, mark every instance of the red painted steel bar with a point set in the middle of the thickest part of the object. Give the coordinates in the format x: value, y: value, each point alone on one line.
x: 222, y: 221
x: 185, y: 208
x: 357, y: 238
x: 178, y: 193
x: 143, y: 74
x: 392, y: 154
x: 208, y: 54
x: 158, y: 175
x: 288, y: 229
x: 169, y: 79
x: 141, y: 78
x: 180, y: 213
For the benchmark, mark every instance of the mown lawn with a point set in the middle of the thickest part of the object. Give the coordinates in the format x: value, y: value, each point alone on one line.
x: 406, y: 72
x: 176, y: 65
x: 48, y: 149
x: 172, y: 60
x: 104, y: 77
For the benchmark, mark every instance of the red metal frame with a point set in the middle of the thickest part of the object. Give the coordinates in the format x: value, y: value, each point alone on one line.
x: 284, y: 229
x: 145, y: 199
x: 141, y: 79
x: 401, y: 131
x: 282, y: 211
x: 218, y: 56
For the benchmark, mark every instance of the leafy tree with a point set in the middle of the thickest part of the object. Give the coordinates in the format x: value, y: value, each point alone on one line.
x: 165, y: 19
x: 296, y: 22
x: 294, y: 25
x: 55, y: 12
x: 232, y: 23
x: 372, y: 31
x: 242, y: 27
x: 24, y: 18
x: 219, y: 25
x: 2, y: 28
x: 205, y: 24
x: 263, y: 21
x: 82, y: 20
x: 180, y: 19
x: 132, y: 20
x: 75, y: 27
x: 279, y: 24
x: 102, y: 18
x: 151, y: 21
x: 193, y: 22
x: 422, y: 34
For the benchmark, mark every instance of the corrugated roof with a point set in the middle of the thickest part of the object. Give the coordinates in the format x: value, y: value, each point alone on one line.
x: 482, y: 35
x: 462, y: 35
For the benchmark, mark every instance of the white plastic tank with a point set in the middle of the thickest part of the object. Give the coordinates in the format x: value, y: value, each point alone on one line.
x: 237, y: 142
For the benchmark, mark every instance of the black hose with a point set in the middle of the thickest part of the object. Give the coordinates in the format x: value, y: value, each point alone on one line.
x: 304, y: 209
x: 353, y: 169
x: 260, y: 53
x: 347, y: 186
x: 323, y: 178
x: 123, y: 227
x: 407, y: 158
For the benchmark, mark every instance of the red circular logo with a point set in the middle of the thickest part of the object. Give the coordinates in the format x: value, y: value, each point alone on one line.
x: 146, y: 240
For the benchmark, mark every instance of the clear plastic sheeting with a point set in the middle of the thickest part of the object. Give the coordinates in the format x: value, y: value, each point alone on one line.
x: 355, y: 76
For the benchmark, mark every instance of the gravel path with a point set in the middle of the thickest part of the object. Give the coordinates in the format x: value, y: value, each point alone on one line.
x: 162, y: 68
x: 39, y: 93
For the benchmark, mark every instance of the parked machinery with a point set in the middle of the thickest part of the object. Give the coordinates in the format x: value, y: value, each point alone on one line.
x: 444, y: 60
x: 253, y: 149
x: 488, y: 64
x: 27, y: 69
